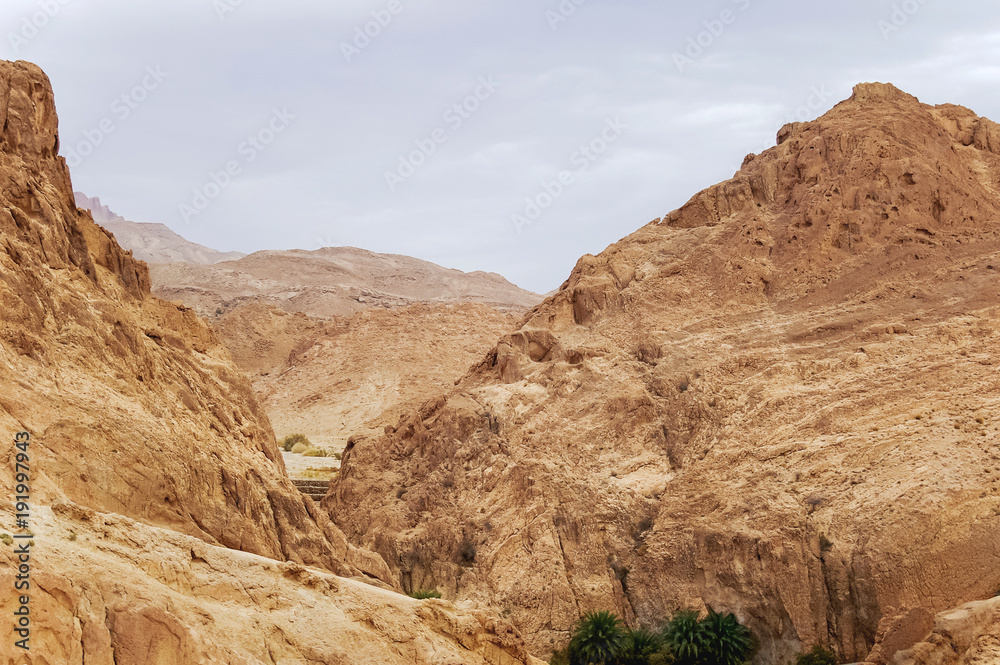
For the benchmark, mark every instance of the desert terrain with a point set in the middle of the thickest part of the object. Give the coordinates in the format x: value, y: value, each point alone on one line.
x: 779, y: 400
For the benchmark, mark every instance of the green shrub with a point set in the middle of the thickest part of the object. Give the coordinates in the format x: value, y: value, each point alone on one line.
x: 727, y: 642
x: 289, y: 442
x: 640, y: 646
x: 424, y: 594
x: 599, y: 639
x: 719, y: 639
x: 684, y: 637
x: 819, y: 655
x: 299, y: 448
x: 315, y: 452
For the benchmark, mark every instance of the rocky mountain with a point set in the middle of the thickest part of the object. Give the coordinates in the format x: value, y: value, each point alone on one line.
x: 335, y: 378
x: 342, y: 341
x: 304, y: 324
x: 780, y: 400
x: 152, y: 243
x: 334, y: 281
x: 165, y: 528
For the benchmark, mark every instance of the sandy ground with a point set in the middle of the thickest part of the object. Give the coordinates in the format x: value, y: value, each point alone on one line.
x: 298, y: 465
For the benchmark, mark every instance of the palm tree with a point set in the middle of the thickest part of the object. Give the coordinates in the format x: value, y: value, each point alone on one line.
x: 640, y: 645
x: 686, y: 638
x: 599, y: 639
x: 726, y: 641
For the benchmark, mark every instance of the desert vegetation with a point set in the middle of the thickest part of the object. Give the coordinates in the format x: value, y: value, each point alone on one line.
x: 289, y: 443
x: 601, y: 638
x: 424, y: 594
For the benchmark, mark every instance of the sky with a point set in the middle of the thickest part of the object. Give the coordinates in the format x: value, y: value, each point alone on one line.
x: 508, y: 136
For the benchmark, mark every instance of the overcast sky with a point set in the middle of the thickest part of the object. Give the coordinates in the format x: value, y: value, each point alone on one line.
x: 602, y: 114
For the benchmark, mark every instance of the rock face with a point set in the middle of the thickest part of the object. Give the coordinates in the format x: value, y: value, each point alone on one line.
x: 335, y: 281
x: 164, y: 529
x: 152, y: 243
x: 335, y: 378
x: 135, y: 405
x: 780, y: 400
x: 969, y: 635
x: 112, y: 591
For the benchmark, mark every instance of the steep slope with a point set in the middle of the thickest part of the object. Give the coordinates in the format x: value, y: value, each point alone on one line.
x: 342, y: 341
x: 112, y: 591
x: 152, y: 243
x: 334, y: 281
x: 136, y: 406
x: 151, y: 466
x: 780, y: 400
x: 332, y: 379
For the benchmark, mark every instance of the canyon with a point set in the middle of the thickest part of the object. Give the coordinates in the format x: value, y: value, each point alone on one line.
x: 779, y: 400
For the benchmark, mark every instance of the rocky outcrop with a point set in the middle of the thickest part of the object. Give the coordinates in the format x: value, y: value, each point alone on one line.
x: 113, y: 591
x: 134, y: 405
x: 779, y: 400
x: 163, y: 528
x: 969, y: 635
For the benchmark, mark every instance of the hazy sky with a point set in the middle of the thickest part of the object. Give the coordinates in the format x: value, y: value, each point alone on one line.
x: 249, y: 124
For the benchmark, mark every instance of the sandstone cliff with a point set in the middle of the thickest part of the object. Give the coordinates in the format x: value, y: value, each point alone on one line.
x: 968, y: 635
x: 780, y: 400
x: 135, y: 405
x: 113, y: 591
x: 164, y: 527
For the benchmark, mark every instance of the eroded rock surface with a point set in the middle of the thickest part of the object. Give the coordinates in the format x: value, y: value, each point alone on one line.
x: 780, y: 400
x: 113, y: 591
x: 163, y: 527
x: 335, y: 378
x: 134, y: 405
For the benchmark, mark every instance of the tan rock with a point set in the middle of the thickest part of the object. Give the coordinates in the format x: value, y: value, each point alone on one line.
x: 969, y: 635
x: 332, y: 379
x: 113, y: 591
x: 333, y: 281
x: 779, y: 400
x: 133, y: 404
x: 152, y: 466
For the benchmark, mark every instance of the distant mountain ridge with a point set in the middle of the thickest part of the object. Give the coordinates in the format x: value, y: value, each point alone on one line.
x: 152, y: 243
x: 333, y: 281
